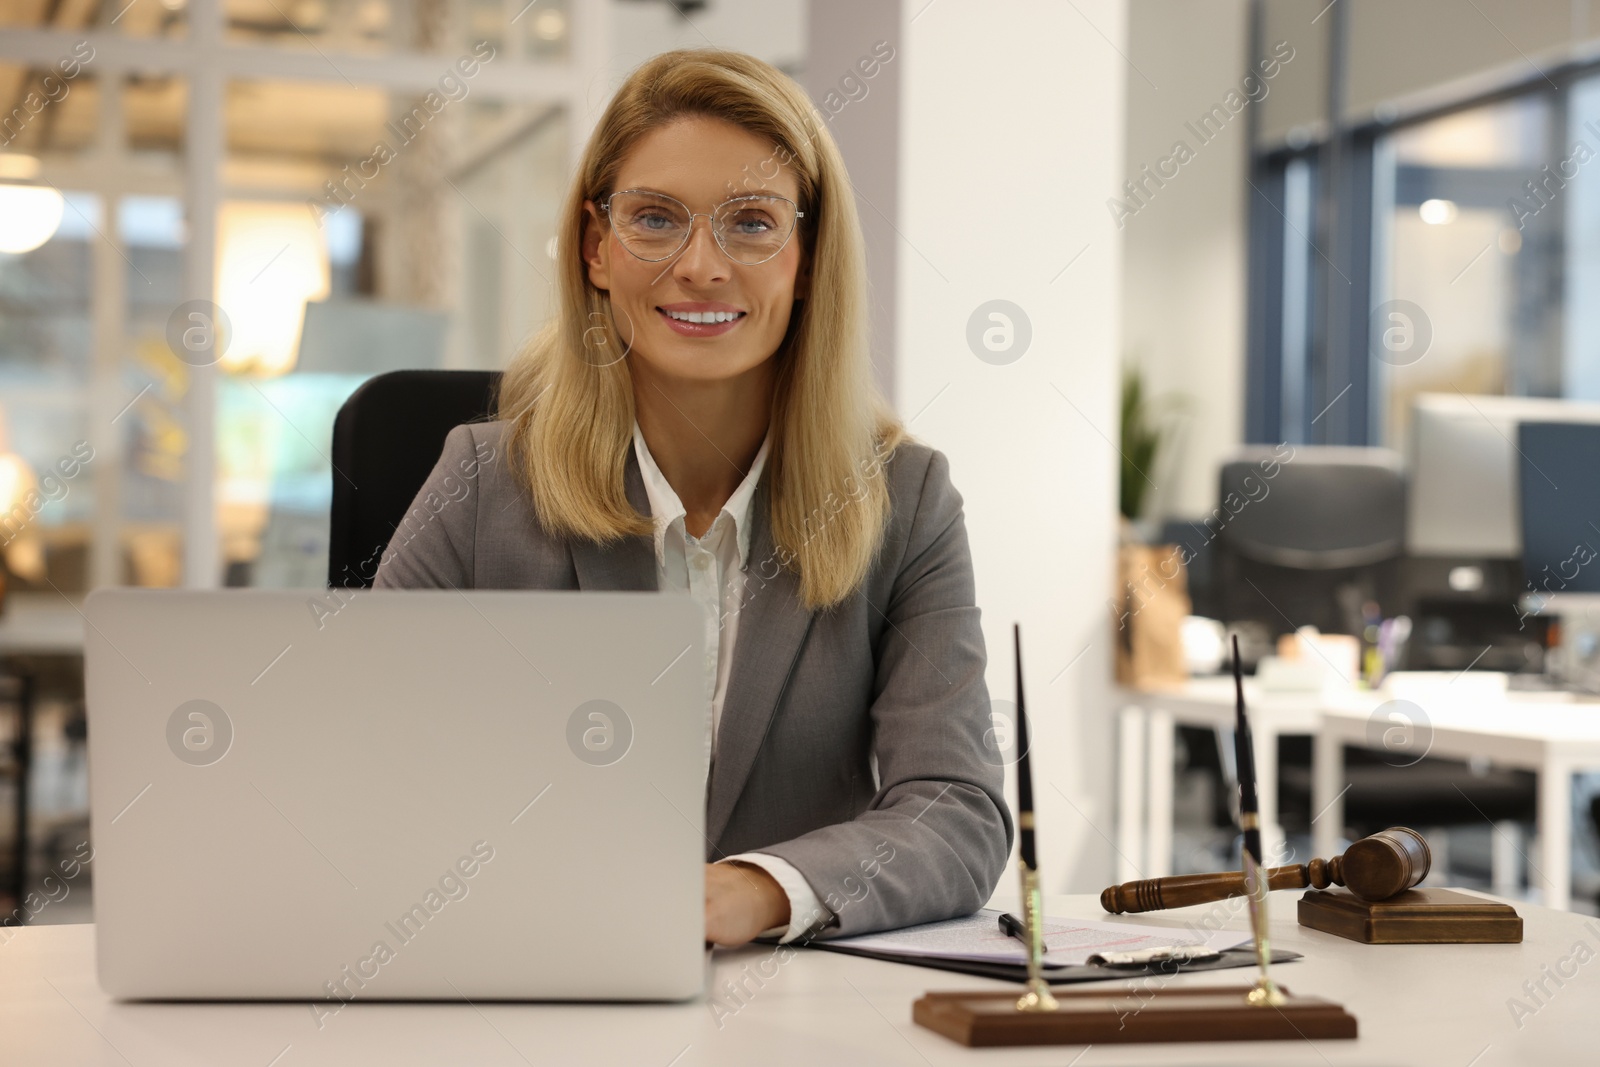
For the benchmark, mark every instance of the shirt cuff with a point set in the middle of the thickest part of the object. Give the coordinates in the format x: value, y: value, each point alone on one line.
x: 806, y: 911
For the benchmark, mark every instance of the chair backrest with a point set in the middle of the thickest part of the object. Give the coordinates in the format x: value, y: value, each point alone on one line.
x: 386, y: 439
x: 1307, y: 538
x: 1324, y: 508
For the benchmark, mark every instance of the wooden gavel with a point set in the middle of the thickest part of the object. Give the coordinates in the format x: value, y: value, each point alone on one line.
x: 1374, y: 868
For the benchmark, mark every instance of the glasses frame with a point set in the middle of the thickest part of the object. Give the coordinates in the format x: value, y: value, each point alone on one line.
x: 716, y: 231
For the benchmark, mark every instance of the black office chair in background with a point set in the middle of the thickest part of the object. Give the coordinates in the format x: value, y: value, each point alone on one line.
x: 1312, y: 542
x: 386, y: 439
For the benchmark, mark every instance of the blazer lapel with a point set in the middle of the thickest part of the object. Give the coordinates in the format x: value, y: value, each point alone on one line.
x: 772, y: 627
x: 628, y: 564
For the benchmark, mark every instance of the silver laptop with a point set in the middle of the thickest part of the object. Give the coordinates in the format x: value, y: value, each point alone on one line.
x: 340, y: 796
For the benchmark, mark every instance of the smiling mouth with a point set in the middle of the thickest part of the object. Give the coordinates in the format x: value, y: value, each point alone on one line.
x: 703, y: 318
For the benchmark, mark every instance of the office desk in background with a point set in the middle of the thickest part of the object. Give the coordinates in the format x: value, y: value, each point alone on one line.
x: 1554, y: 740
x: 1147, y: 723
x: 1552, y: 735
x: 1424, y: 1006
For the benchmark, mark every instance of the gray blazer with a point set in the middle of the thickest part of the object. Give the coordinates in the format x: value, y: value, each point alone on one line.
x: 896, y: 670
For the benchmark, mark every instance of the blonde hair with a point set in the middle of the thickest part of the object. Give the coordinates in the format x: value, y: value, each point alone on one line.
x: 568, y: 396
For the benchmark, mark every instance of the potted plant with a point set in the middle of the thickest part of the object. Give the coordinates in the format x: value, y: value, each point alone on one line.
x: 1142, y: 441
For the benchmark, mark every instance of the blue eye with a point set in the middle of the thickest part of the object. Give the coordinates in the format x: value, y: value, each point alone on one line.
x: 753, y: 222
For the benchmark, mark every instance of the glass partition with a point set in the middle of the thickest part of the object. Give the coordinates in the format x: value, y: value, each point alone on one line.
x: 1466, y: 245
x: 363, y: 221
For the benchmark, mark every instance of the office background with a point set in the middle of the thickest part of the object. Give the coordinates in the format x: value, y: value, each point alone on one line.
x: 164, y: 157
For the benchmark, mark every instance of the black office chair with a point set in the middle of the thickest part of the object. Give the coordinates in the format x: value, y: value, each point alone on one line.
x: 1310, y: 543
x: 386, y: 439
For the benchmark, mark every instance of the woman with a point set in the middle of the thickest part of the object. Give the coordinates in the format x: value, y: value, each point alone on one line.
x: 700, y: 416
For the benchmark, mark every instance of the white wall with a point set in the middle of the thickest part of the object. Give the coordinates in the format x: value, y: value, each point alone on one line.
x: 1012, y: 134
x: 1183, y: 270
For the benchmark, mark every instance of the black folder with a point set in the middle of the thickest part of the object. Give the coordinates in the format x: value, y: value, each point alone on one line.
x: 1243, y: 956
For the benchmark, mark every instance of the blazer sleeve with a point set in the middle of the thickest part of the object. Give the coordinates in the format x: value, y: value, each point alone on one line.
x: 433, y: 547
x: 934, y: 840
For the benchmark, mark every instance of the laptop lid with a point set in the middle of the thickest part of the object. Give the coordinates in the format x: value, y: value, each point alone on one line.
x: 365, y: 795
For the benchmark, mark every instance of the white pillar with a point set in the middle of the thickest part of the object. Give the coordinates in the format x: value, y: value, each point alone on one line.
x: 204, y: 148
x: 594, y: 81
x: 108, y: 313
x: 1011, y: 143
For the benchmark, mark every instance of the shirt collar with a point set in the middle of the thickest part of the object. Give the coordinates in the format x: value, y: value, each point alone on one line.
x: 666, y: 509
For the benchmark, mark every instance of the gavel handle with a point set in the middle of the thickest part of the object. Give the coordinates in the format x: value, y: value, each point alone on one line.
x: 1180, y: 891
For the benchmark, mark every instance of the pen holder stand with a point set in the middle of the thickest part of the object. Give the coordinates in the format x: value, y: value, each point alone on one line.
x: 985, y: 1020
x: 1042, y: 1017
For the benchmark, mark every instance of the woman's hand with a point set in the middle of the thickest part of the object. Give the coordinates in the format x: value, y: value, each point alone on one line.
x: 741, y: 901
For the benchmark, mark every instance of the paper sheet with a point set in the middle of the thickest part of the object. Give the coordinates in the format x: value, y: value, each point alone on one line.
x: 1068, y: 942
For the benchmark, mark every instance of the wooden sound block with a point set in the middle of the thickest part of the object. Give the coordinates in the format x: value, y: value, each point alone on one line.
x: 981, y: 1020
x: 1414, y: 917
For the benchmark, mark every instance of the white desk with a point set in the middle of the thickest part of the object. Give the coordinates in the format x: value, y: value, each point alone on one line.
x: 1145, y: 738
x: 1424, y: 1006
x: 1530, y: 731
x: 1553, y: 740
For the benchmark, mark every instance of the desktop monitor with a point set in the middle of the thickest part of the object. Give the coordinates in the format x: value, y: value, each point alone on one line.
x: 1560, y: 505
x: 357, y: 336
x: 1463, y: 465
x: 1464, y: 539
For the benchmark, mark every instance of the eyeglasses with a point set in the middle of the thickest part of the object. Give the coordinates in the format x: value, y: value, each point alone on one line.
x: 654, y: 226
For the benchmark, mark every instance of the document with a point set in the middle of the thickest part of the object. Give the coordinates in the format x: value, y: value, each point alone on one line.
x: 1068, y: 942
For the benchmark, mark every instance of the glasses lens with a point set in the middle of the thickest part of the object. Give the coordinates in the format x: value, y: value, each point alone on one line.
x: 651, y: 227
x: 755, y: 229
x: 751, y: 229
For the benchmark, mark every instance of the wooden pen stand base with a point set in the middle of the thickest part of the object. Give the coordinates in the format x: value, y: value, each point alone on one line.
x: 1091, y: 1018
x: 1415, y: 917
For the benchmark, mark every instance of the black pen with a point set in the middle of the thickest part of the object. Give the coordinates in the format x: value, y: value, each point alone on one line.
x: 1265, y: 992
x: 1244, y: 755
x: 1038, y: 997
x: 1025, y: 845
x: 1012, y: 926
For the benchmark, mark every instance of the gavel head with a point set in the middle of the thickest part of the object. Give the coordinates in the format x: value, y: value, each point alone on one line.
x: 1385, y: 864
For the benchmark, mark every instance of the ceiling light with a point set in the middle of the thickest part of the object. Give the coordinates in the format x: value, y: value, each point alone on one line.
x: 550, y: 25
x: 29, y: 216
x: 1437, y: 212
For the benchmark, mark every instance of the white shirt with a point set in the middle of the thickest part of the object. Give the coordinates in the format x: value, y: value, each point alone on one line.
x: 711, y: 569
